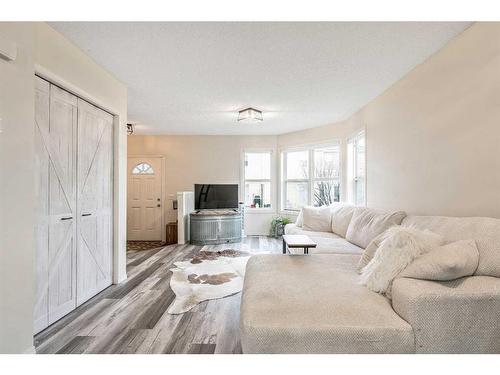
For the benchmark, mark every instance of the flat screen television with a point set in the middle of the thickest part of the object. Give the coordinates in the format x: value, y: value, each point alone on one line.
x: 212, y: 197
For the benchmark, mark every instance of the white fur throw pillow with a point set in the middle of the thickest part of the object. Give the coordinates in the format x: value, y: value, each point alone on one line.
x: 317, y: 219
x: 398, y: 248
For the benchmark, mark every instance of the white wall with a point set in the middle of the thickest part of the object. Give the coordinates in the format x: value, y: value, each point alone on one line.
x: 43, y: 50
x: 204, y: 159
x: 17, y: 192
x: 433, y: 138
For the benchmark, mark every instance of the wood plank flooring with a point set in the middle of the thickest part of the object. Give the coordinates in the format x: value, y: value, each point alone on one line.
x: 131, y: 317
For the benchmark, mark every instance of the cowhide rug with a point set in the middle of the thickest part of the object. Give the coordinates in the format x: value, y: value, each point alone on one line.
x: 209, y: 275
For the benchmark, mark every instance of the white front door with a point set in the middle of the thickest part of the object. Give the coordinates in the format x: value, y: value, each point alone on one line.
x: 145, y: 200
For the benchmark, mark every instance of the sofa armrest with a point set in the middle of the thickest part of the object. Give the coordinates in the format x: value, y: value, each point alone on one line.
x: 290, y: 228
x: 459, y: 316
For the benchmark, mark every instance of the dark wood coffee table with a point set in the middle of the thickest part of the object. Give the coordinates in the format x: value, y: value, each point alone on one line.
x: 297, y: 241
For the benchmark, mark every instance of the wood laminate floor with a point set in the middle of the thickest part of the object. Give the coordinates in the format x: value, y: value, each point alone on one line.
x: 131, y: 317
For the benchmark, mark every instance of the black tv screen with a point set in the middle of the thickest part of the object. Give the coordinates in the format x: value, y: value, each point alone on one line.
x: 209, y: 196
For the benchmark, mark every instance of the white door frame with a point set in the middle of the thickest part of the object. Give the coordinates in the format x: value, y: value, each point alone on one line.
x: 163, y: 187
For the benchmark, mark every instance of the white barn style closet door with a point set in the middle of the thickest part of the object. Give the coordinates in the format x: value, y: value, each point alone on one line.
x: 95, y: 162
x: 42, y: 165
x: 56, y: 203
x: 74, y: 202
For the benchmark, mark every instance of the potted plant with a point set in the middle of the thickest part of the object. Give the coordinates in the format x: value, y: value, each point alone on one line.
x: 278, y: 226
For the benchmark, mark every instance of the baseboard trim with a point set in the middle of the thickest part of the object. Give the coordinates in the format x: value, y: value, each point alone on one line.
x: 30, y: 350
x: 120, y: 279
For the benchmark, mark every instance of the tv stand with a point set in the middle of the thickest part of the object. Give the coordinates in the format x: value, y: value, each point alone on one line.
x: 211, y: 227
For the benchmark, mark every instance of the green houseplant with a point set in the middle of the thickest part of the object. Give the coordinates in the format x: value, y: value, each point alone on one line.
x: 278, y: 226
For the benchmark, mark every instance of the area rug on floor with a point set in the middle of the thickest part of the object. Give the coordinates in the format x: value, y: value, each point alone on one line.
x: 209, y: 275
x: 144, y: 245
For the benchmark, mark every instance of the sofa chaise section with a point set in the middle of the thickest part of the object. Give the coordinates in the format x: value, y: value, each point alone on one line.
x: 313, y: 304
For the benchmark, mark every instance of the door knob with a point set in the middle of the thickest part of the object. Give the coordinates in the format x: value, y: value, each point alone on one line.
x: 158, y: 205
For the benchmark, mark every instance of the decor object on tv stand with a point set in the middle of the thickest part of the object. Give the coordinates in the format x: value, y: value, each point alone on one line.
x: 210, y: 227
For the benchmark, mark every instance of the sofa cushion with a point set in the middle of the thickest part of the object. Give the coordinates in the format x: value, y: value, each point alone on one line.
x: 334, y: 246
x: 318, y: 219
x: 484, y: 230
x: 368, y: 223
x: 294, y: 229
x: 370, y: 251
x: 341, y: 217
x: 300, y: 219
x: 449, y: 262
x: 313, y: 304
x: 327, y: 242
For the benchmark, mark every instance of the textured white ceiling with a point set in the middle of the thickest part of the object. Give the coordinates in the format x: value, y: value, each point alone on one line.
x: 192, y: 78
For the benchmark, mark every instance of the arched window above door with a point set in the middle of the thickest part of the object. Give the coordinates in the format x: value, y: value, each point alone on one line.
x: 143, y: 168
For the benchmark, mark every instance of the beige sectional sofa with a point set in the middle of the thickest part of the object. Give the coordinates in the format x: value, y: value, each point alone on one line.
x: 314, y: 303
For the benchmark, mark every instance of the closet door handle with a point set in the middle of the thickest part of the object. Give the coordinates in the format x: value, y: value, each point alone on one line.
x: 86, y: 214
x: 67, y: 218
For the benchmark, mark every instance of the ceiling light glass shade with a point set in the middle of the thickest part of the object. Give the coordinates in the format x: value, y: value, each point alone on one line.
x: 250, y: 115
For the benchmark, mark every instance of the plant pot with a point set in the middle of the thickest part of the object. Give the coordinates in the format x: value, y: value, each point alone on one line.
x: 279, y: 231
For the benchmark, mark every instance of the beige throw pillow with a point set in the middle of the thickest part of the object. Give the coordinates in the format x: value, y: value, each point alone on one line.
x: 367, y: 223
x: 449, y: 262
x: 317, y: 219
x: 300, y: 219
x: 370, y: 251
x: 341, y: 217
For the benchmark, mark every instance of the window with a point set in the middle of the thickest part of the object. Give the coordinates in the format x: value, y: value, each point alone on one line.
x: 257, y: 179
x: 310, y: 176
x: 356, y: 169
x: 143, y: 168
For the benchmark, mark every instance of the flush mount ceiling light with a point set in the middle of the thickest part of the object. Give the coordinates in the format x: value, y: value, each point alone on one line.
x: 250, y: 115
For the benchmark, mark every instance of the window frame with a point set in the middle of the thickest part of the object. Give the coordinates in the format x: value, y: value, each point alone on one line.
x: 352, y: 174
x: 143, y: 172
x: 271, y: 180
x: 337, y: 142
